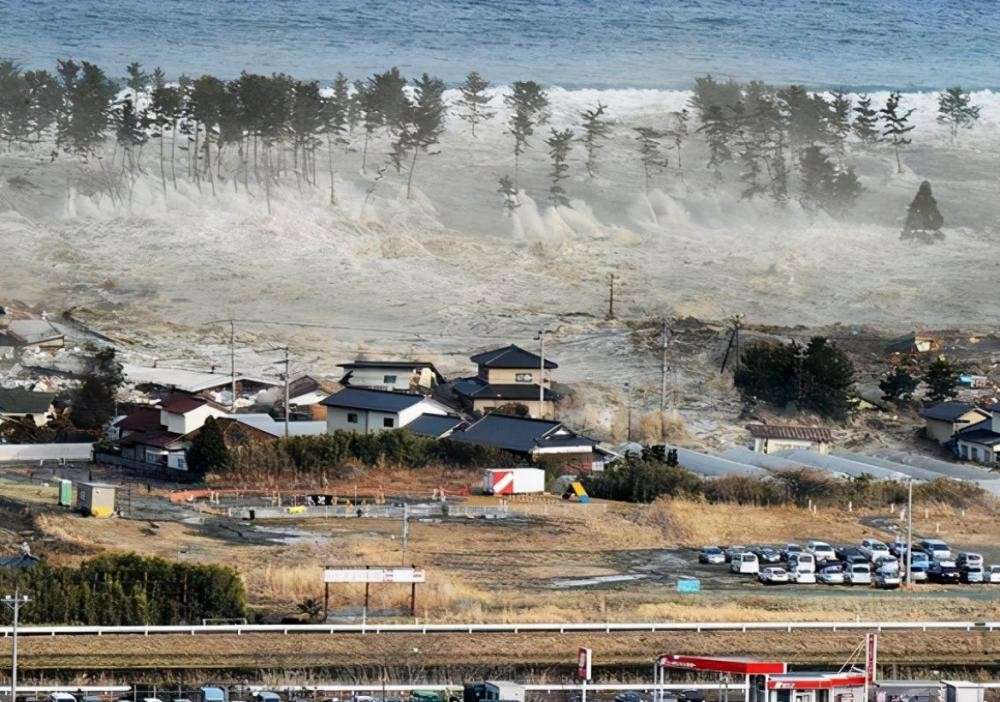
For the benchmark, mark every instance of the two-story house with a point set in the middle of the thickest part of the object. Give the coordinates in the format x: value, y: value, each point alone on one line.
x: 510, y: 378
x: 403, y: 376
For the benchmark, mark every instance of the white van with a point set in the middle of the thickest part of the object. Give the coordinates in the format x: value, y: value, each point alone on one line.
x: 858, y: 574
x: 821, y: 550
x: 874, y: 549
x: 937, y: 550
x: 745, y: 562
x: 802, y: 563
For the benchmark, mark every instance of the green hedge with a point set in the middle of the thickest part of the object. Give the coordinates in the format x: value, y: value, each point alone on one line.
x: 126, y: 589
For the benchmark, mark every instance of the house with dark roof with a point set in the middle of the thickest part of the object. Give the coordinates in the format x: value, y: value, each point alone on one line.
x: 367, y: 411
x: 509, y: 378
x: 182, y: 414
x: 402, y: 376
x: 435, y: 426
x: 539, y: 441
x: 19, y: 403
x: 980, y: 442
x: 771, y: 438
x: 945, y: 419
x: 156, y: 449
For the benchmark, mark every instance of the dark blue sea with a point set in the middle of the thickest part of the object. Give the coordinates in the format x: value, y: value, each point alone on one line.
x: 905, y: 44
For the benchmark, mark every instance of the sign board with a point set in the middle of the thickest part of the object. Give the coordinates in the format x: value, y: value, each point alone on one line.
x: 373, y: 575
x: 871, y: 656
x: 688, y: 584
x: 583, y: 658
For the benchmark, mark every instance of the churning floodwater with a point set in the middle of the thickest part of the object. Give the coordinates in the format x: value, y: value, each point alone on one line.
x: 904, y: 44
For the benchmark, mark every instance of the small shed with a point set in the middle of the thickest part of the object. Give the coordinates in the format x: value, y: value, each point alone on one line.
x: 95, y: 499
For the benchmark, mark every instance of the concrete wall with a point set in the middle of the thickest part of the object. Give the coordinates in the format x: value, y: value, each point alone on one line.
x: 775, y: 445
x: 45, y: 452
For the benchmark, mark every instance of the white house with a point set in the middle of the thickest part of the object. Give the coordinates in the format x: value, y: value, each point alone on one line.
x: 945, y: 419
x: 771, y: 438
x: 981, y: 441
x: 182, y: 414
x: 391, y: 375
x: 368, y: 411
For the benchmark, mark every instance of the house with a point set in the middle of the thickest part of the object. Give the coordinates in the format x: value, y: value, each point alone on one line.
x: 139, y: 420
x: 539, y: 441
x: 368, y: 411
x: 306, y: 394
x: 946, y: 419
x: 18, y: 403
x: 914, y: 343
x: 166, y: 381
x: 434, y: 426
x: 509, y: 378
x: 182, y: 414
x: 35, y: 332
x: 241, y: 429
x: 771, y: 438
x: 980, y: 442
x: 156, y: 449
x: 414, y: 376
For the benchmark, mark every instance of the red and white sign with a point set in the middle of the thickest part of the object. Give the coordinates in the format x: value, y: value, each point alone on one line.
x: 743, y: 666
x: 583, y: 659
x: 871, y: 656
x: 513, y: 481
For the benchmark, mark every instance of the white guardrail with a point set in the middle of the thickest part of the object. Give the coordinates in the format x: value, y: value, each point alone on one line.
x: 564, y: 628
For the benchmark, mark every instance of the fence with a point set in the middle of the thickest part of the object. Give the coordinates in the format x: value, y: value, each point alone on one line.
x: 416, y: 511
x: 561, y: 628
x: 30, y: 453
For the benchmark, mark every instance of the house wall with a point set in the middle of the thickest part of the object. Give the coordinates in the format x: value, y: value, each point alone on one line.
x: 775, y: 445
x: 508, y: 376
x: 942, y: 431
x: 536, y: 409
x: 375, y: 378
x: 370, y: 422
x: 971, y: 451
x: 187, y: 423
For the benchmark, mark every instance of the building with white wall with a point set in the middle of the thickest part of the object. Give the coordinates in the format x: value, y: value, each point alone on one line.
x: 368, y: 411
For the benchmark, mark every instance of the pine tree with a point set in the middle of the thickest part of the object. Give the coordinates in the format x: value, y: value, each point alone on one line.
x: 718, y: 132
x: 474, y: 101
x: 15, y: 104
x: 817, y: 176
x: 827, y: 376
x: 779, y: 178
x: 559, y: 143
x: 45, y: 100
x: 509, y: 193
x: 865, y: 125
x: 83, y: 121
x: 428, y: 114
x: 336, y: 121
x: 955, y: 109
x: 678, y: 132
x: 840, y: 119
x: 208, y: 451
x: 846, y: 190
x: 367, y: 101
x: 165, y: 106
x: 923, y: 220
x: 135, y: 78
x: 896, y: 126
x: 898, y: 386
x: 528, y: 104
x: 651, y: 155
x: 94, y: 401
x: 130, y: 130
x: 388, y: 98
x: 941, y: 378
x: 596, y: 129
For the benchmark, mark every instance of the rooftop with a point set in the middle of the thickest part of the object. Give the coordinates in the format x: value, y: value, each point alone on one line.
x: 519, y: 434
x: 479, y: 389
x: 182, y: 404
x: 374, y: 400
x: 433, y: 425
x: 790, y: 432
x: 947, y: 411
x: 21, y: 401
x: 510, y: 357
x: 32, y: 331
x: 158, y: 439
x: 980, y: 433
x: 267, y: 424
x: 186, y: 380
x: 140, y: 419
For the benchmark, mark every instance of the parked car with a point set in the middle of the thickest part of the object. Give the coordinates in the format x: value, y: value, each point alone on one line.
x: 936, y: 549
x: 973, y: 574
x: 993, y: 574
x: 918, y: 573
x: 733, y: 550
x: 711, y: 554
x: 858, y: 574
x: 832, y: 574
x: 773, y: 575
x: 919, y: 557
x: 874, y: 549
x: 631, y: 695
x: 745, y: 562
x: 943, y: 573
x: 802, y: 577
x: 887, y: 579
x: 789, y: 550
x: 821, y: 551
x: 766, y: 554
x: 802, y: 562
x: 886, y: 563
x: 968, y: 559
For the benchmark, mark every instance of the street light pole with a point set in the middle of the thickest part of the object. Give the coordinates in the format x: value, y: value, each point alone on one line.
x: 15, y: 602
x: 909, y: 533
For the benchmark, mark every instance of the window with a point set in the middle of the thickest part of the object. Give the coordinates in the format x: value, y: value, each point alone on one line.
x: 352, y: 417
x: 388, y: 422
x: 523, y: 377
x: 389, y: 379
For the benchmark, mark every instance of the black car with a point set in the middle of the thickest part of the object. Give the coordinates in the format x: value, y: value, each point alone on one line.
x: 938, y: 573
x: 629, y: 696
x: 766, y: 554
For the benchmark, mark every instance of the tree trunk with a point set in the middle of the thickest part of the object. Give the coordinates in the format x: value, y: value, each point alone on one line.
x: 364, y: 155
x: 163, y: 169
x: 409, y: 179
x: 329, y: 151
x: 173, y: 152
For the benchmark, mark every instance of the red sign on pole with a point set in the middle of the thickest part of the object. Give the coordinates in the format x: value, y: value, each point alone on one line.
x: 583, y: 657
x: 871, y: 656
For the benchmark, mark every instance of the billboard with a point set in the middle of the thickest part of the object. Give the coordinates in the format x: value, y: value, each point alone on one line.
x: 373, y: 575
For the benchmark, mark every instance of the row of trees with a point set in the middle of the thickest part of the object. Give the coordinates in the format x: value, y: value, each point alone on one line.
x: 256, y: 129
x: 126, y: 589
x: 649, y: 476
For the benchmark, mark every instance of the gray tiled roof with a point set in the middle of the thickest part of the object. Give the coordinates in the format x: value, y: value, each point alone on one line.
x: 374, y: 400
x: 433, y: 425
x: 21, y: 401
x: 510, y: 357
x: 947, y: 411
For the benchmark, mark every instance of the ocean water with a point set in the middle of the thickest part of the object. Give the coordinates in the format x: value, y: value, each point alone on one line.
x: 906, y: 44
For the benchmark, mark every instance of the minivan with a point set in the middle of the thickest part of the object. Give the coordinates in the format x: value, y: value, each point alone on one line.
x: 802, y: 563
x: 937, y: 550
x: 745, y: 562
x: 967, y: 559
x: 821, y: 550
x: 858, y: 574
x: 874, y: 549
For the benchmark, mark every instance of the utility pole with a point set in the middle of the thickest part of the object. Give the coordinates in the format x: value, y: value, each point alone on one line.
x: 611, y: 296
x: 286, y: 392
x: 232, y: 363
x: 664, y: 340
x: 15, y: 602
x: 628, y: 401
x: 406, y: 530
x: 909, y: 533
x: 541, y: 371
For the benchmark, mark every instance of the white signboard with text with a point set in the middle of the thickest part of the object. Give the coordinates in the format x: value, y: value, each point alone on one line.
x: 373, y: 575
